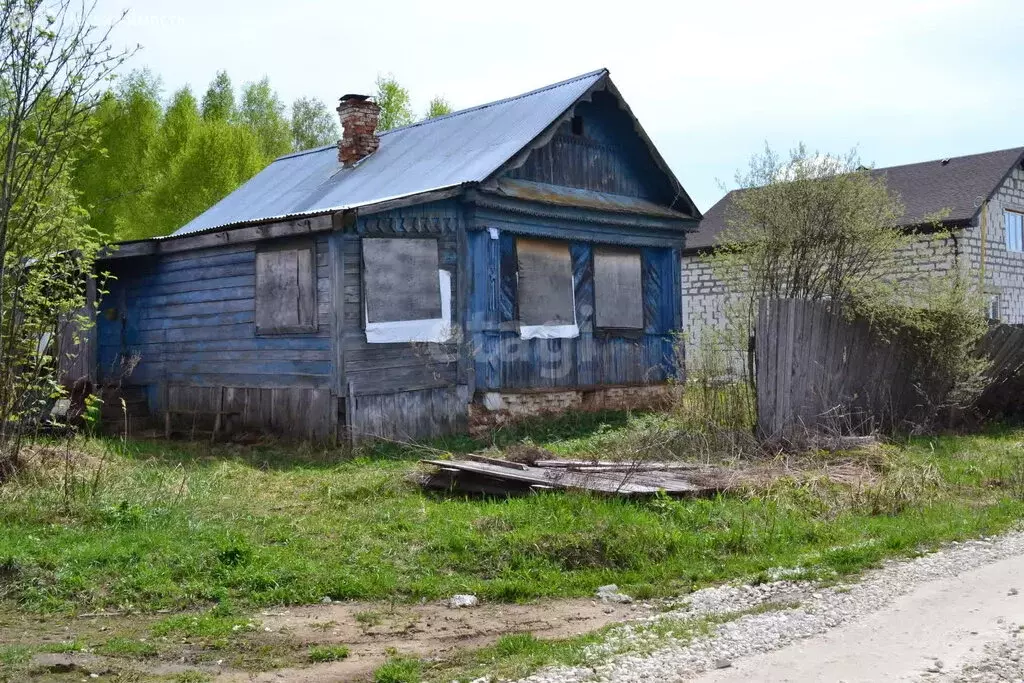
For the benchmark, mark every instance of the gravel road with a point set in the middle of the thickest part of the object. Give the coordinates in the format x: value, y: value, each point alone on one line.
x: 953, y: 615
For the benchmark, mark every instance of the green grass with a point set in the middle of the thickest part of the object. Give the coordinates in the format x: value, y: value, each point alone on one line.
x: 14, y: 662
x: 328, y: 653
x: 186, y: 526
x: 399, y: 670
x: 62, y: 648
x: 369, y: 618
x: 213, y: 624
x: 128, y: 648
x: 192, y: 677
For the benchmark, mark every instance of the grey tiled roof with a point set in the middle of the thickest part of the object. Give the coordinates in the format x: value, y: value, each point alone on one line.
x: 959, y: 184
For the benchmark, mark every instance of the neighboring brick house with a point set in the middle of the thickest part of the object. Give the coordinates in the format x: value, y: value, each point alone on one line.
x: 982, y: 196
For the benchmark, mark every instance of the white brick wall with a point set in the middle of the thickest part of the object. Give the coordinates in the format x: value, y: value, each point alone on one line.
x: 1004, y: 269
x: 705, y: 298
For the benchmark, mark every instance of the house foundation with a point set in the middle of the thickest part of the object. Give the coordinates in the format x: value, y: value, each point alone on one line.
x: 493, y: 409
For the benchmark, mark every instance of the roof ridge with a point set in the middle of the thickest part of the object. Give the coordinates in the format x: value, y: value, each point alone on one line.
x: 536, y: 91
x: 1019, y: 150
x: 301, y: 152
x: 590, y: 74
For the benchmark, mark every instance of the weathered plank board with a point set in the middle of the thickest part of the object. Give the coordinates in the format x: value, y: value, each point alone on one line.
x: 617, y: 483
x: 1004, y: 394
x: 817, y: 370
x: 188, y: 319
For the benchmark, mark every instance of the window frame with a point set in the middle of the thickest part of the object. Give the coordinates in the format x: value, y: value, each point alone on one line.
x: 627, y: 332
x: 1017, y: 245
x: 311, y: 327
x: 545, y: 330
x: 423, y: 330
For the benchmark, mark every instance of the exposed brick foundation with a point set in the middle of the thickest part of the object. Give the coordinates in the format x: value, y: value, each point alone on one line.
x: 492, y: 409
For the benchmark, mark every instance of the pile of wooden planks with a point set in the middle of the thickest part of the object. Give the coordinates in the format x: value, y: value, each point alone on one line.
x: 493, y: 476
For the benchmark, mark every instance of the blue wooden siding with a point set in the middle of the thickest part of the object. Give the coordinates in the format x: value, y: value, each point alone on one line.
x: 608, y: 157
x: 427, y: 375
x: 188, y: 319
x: 383, y: 368
x: 505, y: 361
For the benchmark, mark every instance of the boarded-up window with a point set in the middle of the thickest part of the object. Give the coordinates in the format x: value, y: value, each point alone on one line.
x: 286, y: 291
x: 618, y: 289
x: 401, y: 279
x: 546, y: 302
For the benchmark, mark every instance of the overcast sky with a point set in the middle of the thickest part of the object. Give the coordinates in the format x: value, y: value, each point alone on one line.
x: 710, y: 81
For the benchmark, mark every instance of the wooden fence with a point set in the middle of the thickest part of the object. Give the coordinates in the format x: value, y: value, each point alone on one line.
x: 1004, y: 390
x: 816, y: 370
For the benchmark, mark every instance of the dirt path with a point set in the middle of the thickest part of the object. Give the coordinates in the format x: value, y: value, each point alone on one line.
x: 933, y: 632
x: 280, y: 640
x: 370, y: 631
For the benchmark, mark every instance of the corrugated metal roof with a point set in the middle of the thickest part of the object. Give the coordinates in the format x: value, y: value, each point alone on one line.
x: 462, y: 147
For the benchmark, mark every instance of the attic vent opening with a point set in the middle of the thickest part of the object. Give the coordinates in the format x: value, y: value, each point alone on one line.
x: 577, y: 125
x: 944, y: 162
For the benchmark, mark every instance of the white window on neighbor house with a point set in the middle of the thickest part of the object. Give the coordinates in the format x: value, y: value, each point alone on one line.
x: 406, y: 295
x: 993, y: 308
x: 286, y: 290
x: 546, y: 300
x: 1014, y: 222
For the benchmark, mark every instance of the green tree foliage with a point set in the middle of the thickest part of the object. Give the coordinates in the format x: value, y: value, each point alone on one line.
x: 115, y: 174
x: 181, y: 119
x: 313, y: 124
x: 218, y: 158
x: 438, y: 106
x: 53, y: 60
x: 219, y: 100
x: 395, y: 105
x: 154, y: 168
x: 811, y: 226
x: 262, y: 112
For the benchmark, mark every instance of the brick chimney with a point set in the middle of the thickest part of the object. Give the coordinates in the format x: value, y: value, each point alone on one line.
x: 358, y: 114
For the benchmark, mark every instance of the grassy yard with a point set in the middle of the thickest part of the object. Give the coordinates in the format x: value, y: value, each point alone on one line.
x: 148, y: 526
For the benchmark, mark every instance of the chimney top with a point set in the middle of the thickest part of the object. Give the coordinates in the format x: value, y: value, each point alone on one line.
x: 353, y: 97
x: 358, y: 114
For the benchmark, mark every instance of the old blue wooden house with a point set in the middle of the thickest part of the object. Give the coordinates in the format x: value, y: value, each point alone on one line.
x: 516, y: 257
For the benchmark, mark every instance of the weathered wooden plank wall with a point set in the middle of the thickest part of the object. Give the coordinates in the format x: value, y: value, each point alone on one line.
x: 188, y: 320
x: 411, y: 415
x: 297, y: 412
x: 606, y: 156
x: 505, y: 361
x: 402, y: 390
x: 818, y: 370
x: 76, y: 345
